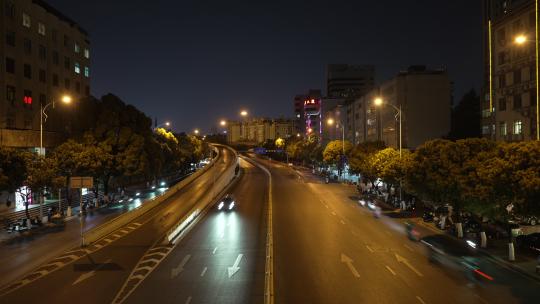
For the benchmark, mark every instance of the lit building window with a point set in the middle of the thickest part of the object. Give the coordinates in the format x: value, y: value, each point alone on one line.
x: 77, y: 48
x: 77, y: 68
x: 86, y: 71
x: 485, y: 130
x: 518, y: 127
x: 86, y: 53
x: 502, y: 128
x: 27, y: 22
x: 41, y: 29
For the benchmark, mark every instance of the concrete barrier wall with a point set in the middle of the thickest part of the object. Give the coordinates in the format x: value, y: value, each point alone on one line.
x: 199, y: 209
x: 104, y: 229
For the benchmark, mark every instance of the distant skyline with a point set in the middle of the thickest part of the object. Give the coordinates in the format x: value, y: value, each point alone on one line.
x: 194, y: 63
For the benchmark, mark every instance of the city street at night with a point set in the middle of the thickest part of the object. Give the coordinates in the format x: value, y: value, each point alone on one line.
x: 231, y: 152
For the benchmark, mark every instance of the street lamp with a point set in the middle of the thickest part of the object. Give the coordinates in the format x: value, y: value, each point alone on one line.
x: 331, y: 122
x: 196, y: 131
x: 521, y: 40
x: 66, y: 99
x: 243, y: 113
x: 223, y: 123
x: 166, y: 124
x: 379, y: 102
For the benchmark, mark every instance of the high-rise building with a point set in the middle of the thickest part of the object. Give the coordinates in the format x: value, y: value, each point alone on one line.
x: 424, y: 97
x: 45, y: 55
x: 349, y: 81
x: 511, y: 112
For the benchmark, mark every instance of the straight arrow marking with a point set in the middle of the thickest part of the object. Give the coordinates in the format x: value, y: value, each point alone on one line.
x: 90, y: 274
x: 347, y: 260
x: 403, y: 260
x: 176, y: 271
x: 234, y: 269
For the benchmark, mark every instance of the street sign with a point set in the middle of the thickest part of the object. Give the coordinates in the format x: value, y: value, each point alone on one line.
x: 81, y: 182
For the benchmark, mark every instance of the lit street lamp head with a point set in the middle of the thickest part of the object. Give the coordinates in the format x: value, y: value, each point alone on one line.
x: 520, y: 39
x: 168, y: 124
x: 223, y: 123
x: 66, y: 99
x: 244, y: 113
x: 378, y: 101
x: 330, y: 121
x: 196, y: 131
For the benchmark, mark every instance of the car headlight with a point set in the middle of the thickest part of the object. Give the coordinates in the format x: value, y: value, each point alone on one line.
x: 220, y: 206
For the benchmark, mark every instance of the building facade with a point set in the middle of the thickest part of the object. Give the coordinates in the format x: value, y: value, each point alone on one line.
x: 349, y: 81
x: 511, y: 114
x: 424, y: 97
x: 45, y: 55
x: 259, y: 130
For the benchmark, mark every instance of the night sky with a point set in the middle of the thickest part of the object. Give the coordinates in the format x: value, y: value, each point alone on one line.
x: 195, y: 62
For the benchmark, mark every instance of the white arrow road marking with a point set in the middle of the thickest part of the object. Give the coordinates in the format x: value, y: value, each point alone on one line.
x: 403, y: 260
x: 176, y: 271
x: 347, y: 260
x: 420, y: 300
x: 234, y: 269
x: 90, y: 274
x: 390, y: 269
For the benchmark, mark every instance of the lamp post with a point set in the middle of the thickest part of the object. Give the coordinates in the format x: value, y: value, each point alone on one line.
x: 331, y: 122
x: 66, y: 99
x: 380, y: 102
x: 196, y: 131
x: 521, y: 40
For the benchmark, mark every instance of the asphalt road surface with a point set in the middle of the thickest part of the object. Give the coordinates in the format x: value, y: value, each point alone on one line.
x: 328, y: 249
x: 222, y: 259
x: 96, y: 276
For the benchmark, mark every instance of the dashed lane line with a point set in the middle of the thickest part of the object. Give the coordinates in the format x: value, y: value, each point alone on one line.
x: 204, y: 271
x: 420, y: 300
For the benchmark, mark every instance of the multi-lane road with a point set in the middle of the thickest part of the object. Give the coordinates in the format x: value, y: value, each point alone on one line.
x: 326, y: 249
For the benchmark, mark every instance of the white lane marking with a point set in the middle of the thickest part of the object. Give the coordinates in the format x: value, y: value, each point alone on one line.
x: 407, y: 246
x: 90, y: 274
x: 420, y: 300
x: 188, y: 300
x: 342, y: 222
x: 176, y: 271
x: 347, y: 260
x: 214, y: 252
x: 369, y: 248
x: 234, y: 269
x: 390, y: 269
x: 404, y: 261
x: 326, y: 206
x: 333, y: 213
x: 204, y: 271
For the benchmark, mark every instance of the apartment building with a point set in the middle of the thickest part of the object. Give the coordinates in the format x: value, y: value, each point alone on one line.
x: 511, y: 115
x: 45, y: 56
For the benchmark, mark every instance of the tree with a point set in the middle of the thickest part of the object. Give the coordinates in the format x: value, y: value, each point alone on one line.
x: 389, y: 166
x: 359, y: 159
x: 333, y: 152
x: 466, y: 117
x: 13, y: 169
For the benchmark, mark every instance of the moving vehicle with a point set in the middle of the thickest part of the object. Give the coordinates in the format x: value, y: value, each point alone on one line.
x: 456, y: 255
x: 227, y: 203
